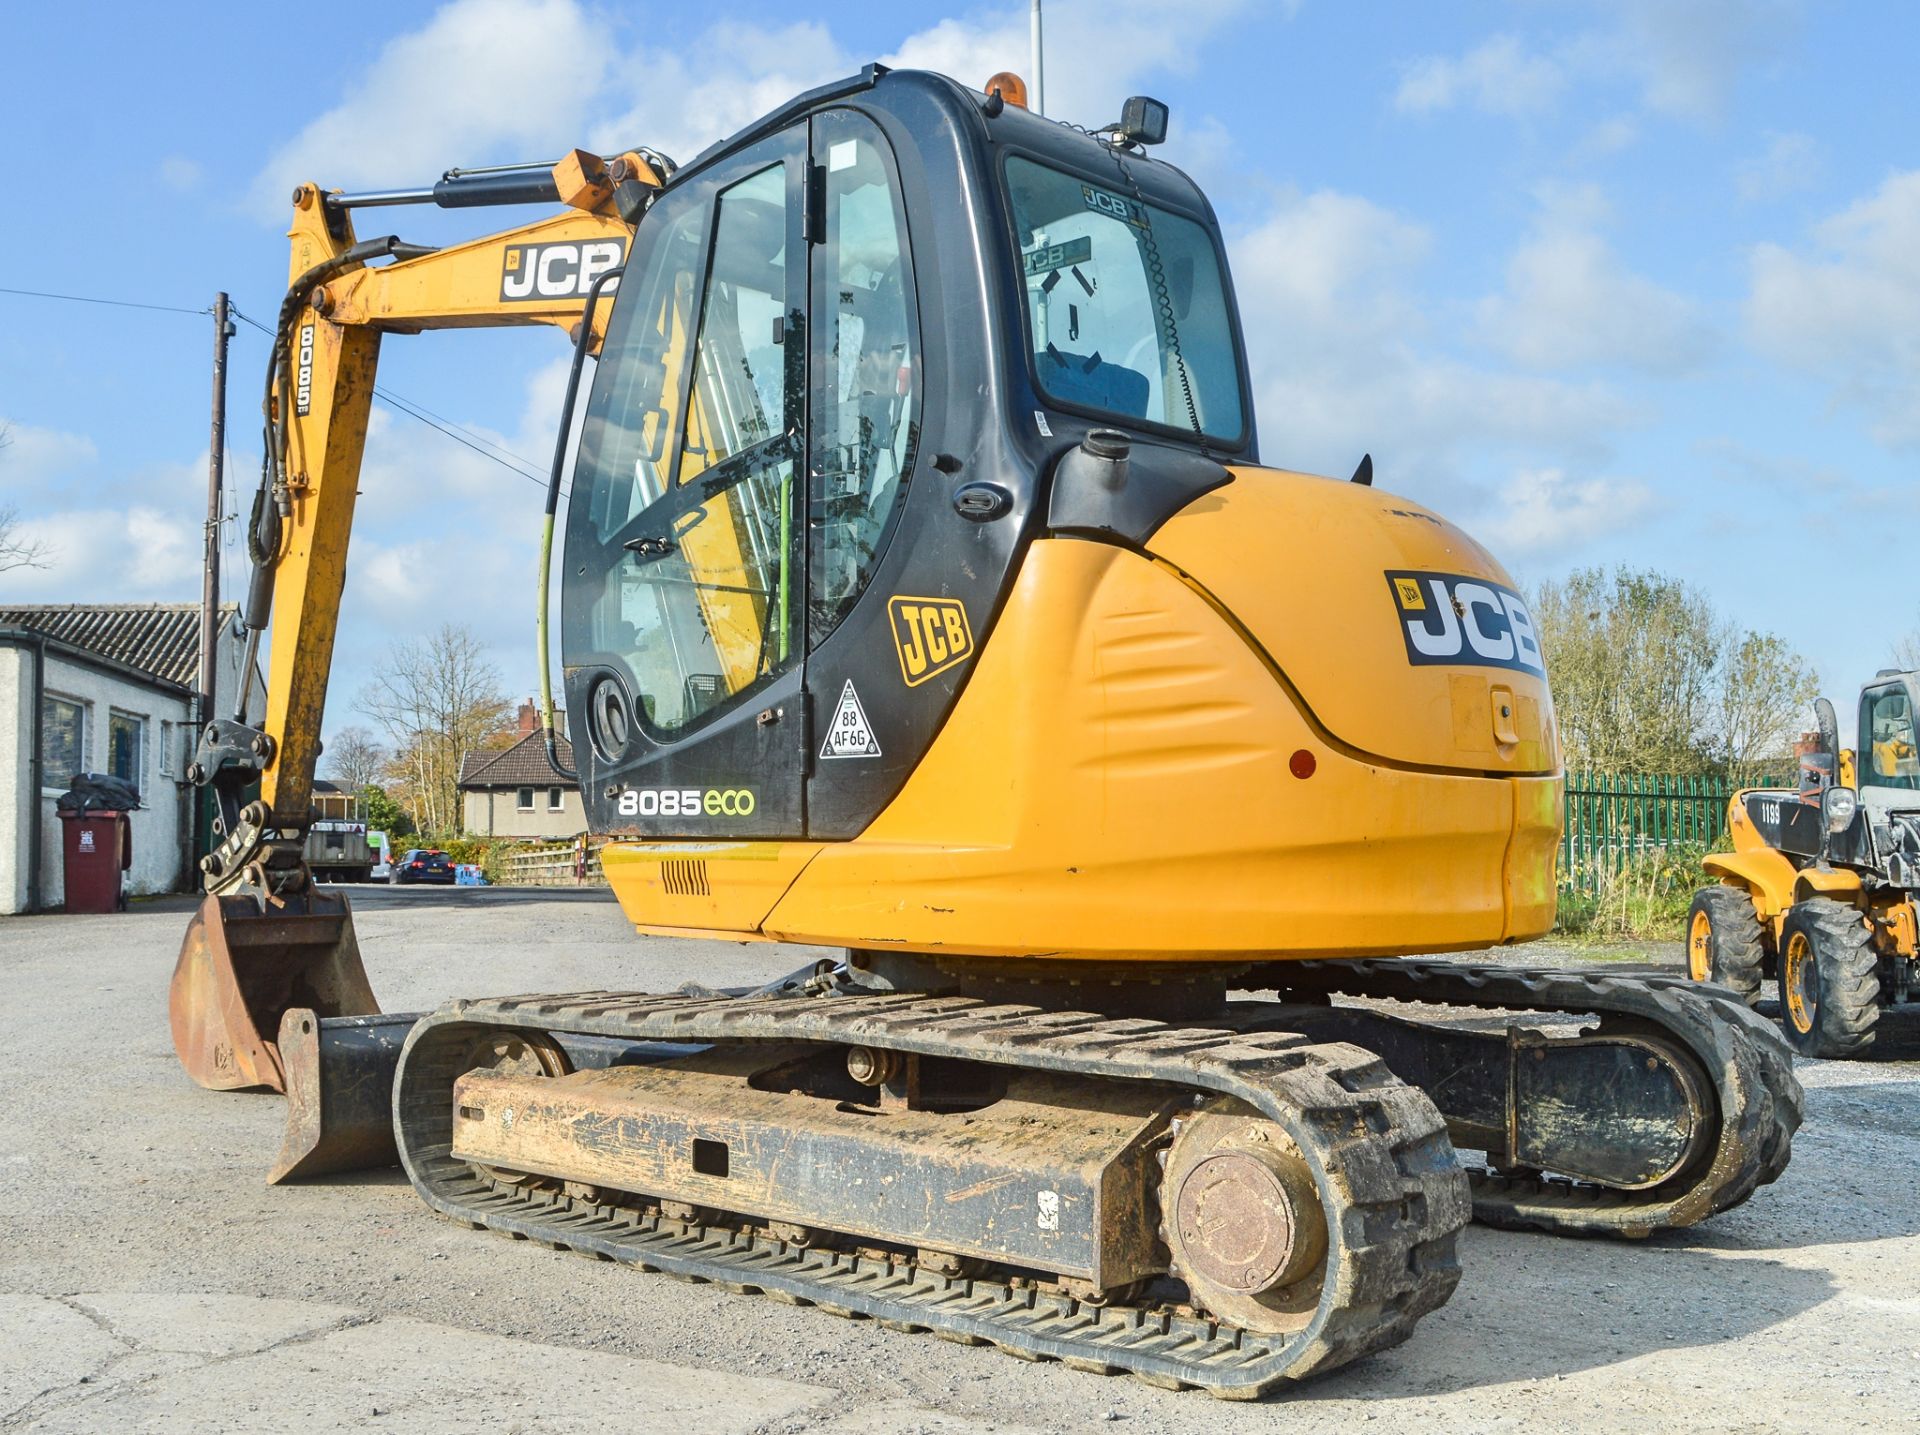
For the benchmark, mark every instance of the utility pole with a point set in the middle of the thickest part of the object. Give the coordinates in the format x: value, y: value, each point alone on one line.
x: 1039, y: 65
x: 192, y: 799
x: 223, y: 330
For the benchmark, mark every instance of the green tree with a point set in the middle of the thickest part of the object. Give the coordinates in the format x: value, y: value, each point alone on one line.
x: 1648, y: 678
x: 1767, y: 693
x: 383, y: 813
x: 1631, y: 659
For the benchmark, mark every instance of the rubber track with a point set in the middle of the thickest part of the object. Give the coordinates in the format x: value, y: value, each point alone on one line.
x: 1744, y: 1056
x: 1378, y: 1147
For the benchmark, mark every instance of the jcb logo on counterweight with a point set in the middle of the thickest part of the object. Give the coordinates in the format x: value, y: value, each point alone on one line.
x: 930, y: 634
x: 1447, y: 618
x: 565, y: 270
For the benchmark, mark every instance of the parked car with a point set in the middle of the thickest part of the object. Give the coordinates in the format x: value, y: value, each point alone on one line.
x: 422, y: 864
x: 382, y: 848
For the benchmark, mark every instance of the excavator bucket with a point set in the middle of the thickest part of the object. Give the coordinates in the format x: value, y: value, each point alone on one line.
x: 242, y: 966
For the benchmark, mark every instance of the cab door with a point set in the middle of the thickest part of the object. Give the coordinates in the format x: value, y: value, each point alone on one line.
x: 684, y: 596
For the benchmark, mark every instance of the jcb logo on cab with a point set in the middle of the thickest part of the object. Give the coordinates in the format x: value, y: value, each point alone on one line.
x: 930, y: 634
x: 566, y: 270
x: 1447, y: 618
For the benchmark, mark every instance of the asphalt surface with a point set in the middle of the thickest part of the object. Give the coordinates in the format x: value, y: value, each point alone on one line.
x: 150, y: 1280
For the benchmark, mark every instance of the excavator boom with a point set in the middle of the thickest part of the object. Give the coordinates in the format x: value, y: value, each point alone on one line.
x: 266, y: 939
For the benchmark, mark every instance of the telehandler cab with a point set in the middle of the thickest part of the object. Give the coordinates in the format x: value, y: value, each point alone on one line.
x: 923, y: 596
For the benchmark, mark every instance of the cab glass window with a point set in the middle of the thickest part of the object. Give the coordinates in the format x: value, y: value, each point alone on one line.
x: 627, y: 444
x: 691, y: 451
x: 1889, y: 756
x: 1126, y: 310
x: 866, y: 366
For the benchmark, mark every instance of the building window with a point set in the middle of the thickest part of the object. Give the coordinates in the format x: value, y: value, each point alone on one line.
x: 525, y: 803
x: 556, y: 800
x: 126, y: 746
x: 63, y: 741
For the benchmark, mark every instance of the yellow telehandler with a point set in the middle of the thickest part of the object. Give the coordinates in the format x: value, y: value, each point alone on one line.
x: 1821, y: 891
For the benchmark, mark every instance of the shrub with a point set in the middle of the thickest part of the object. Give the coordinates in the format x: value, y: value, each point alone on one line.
x: 1645, y: 896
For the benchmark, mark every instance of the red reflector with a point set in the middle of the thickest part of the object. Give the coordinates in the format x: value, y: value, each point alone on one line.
x: 1302, y: 763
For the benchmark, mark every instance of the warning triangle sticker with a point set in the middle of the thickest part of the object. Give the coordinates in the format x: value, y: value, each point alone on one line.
x: 850, y: 734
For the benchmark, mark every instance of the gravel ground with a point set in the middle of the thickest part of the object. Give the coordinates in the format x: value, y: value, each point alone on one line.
x: 150, y: 1280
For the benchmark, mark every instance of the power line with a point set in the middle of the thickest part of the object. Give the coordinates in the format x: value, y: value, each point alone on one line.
x: 114, y: 303
x: 512, y: 462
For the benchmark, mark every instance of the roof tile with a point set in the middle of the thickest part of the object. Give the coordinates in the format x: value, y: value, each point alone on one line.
x: 162, y: 639
x: 524, y: 764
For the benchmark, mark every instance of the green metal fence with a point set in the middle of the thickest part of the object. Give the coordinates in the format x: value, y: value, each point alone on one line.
x: 1613, y: 817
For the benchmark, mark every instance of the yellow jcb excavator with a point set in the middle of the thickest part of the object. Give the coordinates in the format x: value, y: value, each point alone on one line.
x: 923, y: 596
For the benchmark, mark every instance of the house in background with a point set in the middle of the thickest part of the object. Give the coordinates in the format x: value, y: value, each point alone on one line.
x: 515, y: 792
x: 334, y: 803
x: 103, y: 687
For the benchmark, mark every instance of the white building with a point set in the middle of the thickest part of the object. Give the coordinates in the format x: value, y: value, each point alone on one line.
x: 104, y: 687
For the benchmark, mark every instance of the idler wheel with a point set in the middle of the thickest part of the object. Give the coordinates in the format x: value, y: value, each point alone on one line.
x: 513, y: 1053
x: 1241, y: 1215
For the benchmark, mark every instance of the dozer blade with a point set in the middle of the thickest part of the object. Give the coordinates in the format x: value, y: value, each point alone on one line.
x: 241, y: 967
x: 339, y: 1082
x: 340, y: 1071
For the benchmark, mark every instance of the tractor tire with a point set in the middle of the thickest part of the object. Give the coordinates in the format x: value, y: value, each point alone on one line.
x: 1829, y: 979
x: 1723, y: 941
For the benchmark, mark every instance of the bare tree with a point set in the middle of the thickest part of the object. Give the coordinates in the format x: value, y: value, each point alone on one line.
x: 1906, y: 652
x: 16, y: 550
x: 355, y: 758
x: 436, y: 698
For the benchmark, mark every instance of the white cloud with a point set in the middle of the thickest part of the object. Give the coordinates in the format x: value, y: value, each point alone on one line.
x: 1609, y: 137
x: 486, y: 80
x: 1790, y: 164
x: 1688, y: 54
x: 1499, y: 77
x: 483, y: 78
x: 1098, y: 52
x: 1541, y: 512
x: 34, y: 459
x: 99, y: 555
x: 1682, y: 58
x: 1569, y: 301
x: 734, y: 74
x: 179, y: 173
x: 1342, y: 361
x: 1849, y: 312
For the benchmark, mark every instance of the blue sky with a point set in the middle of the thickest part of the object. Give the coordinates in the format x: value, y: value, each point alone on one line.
x: 1607, y: 283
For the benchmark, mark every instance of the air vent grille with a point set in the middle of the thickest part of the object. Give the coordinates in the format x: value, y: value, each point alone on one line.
x: 685, y: 877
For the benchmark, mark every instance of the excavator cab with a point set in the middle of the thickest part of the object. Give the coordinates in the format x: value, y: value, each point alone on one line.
x: 821, y: 425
